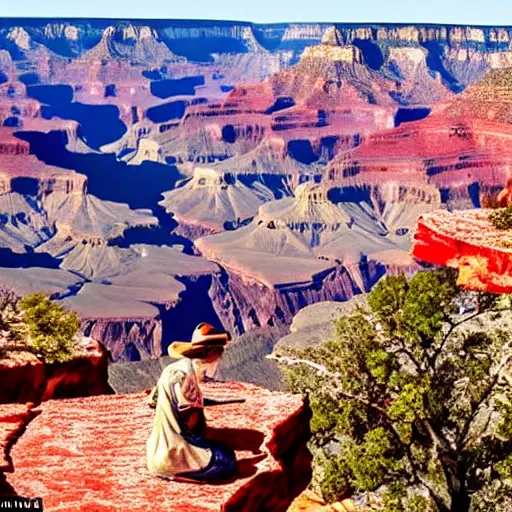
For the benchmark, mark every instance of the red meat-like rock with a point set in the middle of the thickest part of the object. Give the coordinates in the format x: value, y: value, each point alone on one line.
x: 467, y: 241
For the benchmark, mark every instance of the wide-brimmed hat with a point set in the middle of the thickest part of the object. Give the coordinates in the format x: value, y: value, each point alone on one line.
x: 206, y: 339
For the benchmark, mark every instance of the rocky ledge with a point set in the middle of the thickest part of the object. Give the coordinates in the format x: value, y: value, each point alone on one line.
x: 13, y: 418
x: 26, y: 378
x: 88, y: 454
x: 467, y: 241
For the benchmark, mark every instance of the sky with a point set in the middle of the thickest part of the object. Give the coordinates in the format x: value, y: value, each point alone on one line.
x: 471, y: 12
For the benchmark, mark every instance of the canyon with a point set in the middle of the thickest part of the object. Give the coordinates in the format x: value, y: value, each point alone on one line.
x: 155, y: 174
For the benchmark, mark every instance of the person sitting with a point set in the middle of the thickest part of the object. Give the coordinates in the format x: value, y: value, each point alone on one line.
x: 177, y: 447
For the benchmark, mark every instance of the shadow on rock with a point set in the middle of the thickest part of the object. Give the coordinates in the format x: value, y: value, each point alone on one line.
x: 238, y: 439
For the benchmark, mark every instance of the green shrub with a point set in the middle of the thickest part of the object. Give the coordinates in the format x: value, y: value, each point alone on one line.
x: 52, y: 328
x: 502, y: 218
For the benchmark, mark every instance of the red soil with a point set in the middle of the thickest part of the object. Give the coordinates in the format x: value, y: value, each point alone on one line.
x: 13, y: 418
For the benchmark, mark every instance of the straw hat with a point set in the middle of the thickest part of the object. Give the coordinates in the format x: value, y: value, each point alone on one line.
x: 206, y: 340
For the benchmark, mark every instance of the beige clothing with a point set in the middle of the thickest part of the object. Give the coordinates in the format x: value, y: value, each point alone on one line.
x: 168, y: 453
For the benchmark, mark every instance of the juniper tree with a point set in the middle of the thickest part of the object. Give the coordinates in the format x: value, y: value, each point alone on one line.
x: 52, y: 328
x: 410, y: 406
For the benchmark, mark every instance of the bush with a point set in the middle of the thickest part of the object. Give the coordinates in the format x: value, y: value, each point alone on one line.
x: 502, y: 218
x: 52, y: 328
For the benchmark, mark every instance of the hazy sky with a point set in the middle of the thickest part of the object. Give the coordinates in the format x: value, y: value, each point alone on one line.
x: 484, y: 12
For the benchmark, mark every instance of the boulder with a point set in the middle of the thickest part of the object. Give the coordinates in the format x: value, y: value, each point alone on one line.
x: 316, y: 324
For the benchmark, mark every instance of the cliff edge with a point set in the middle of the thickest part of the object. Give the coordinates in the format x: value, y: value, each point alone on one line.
x: 26, y: 378
x: 469, y: 242
x: 88, y: 454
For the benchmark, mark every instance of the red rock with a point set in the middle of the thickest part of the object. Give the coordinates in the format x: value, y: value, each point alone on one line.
x: 86, y: 375
x: 434, y: 146
x: 16, y: 162
x: 505, y: 197
x: 11, y: 145
x: 89, y: 455
x: 23, y: 378
x: 26, y: 378
x: 467, y: 241
x: 489, y: 98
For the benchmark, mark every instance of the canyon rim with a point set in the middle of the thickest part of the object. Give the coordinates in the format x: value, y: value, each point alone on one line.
x: 159, y: 173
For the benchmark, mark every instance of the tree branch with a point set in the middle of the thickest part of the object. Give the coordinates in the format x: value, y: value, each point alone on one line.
x: 462, y: 438
x: 454, y: 326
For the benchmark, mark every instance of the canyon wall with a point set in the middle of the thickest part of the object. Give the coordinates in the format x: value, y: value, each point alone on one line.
x: 25, y: 378
x: 159, y: 173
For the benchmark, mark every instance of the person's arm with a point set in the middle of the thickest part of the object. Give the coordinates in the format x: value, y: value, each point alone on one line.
x: 190, y: 409
x: 194, y: 420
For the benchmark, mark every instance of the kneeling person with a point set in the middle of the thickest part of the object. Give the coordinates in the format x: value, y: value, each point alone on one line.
x: 177, y: 447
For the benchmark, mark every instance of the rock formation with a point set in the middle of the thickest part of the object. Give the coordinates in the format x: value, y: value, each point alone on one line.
x: 213, y: 200
x: 467, y: 241
x: 138, y: 44
x: 28, y: 379
x: 161, y: 169
x: 488, y: 98
x: 316, y: 324
x: 300, y: 250
x: 268, y: 431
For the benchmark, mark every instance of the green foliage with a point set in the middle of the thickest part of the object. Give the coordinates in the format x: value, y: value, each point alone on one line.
x: 394, y: 497
x: 334, y: 482
x: 51, y: 327
x: 502, y: 218
x: 407, y: 404
x: 418, y: 503
x: 371, y: 461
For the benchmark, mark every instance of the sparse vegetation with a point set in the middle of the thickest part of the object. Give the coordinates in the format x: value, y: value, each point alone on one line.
x: 52, y: 328
x: 502, y: 218
x: 12, y: 327
x: 410, y: 407
x: 36, y: 323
